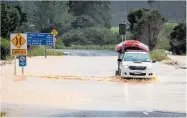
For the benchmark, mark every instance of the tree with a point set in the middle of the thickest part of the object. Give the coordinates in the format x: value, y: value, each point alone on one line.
x: 97, y: 13
x: 12, y: 17
x: 178, y: 39
x: 145, y: 25
x: 52, y: 14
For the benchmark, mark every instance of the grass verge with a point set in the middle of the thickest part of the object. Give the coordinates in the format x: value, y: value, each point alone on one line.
x: 158, y: 55
x: 40, y: 51
x: 3, y: 114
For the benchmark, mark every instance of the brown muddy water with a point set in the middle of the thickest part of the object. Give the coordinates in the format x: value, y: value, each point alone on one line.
x: 61, y: 85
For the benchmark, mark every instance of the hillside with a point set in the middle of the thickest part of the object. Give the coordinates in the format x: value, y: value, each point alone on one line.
x: 174, y: 11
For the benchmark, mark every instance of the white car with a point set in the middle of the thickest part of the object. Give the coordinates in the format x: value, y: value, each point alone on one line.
x: 136, y: 65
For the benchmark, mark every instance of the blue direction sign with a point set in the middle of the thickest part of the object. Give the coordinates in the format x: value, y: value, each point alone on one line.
x: 22, y: 60
x: 40, y: 39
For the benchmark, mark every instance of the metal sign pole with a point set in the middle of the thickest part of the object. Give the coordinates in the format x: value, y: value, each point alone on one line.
x: 14, y: 65
x: 122, y: 38
x: 54, y: 45
x: 30, y: 51
x: 22, y: 70
x: 45, y: 51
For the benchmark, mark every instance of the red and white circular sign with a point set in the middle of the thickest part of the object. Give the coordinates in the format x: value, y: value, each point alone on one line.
x: 54, y: 39
x: 22, y: 59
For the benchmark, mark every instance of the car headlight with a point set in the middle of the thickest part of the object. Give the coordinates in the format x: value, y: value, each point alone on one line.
x: 125, y: 67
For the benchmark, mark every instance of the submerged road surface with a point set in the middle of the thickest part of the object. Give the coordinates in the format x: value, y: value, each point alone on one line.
x: 44, y: 96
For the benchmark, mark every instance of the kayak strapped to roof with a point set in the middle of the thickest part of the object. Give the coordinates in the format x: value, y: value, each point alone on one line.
x: 132, y: 45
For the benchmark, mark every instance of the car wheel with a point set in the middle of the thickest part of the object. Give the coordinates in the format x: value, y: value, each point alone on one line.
x: 117, y: 73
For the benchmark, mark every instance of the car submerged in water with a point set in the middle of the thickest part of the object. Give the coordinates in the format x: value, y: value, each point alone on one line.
x: 134, y: 60
x: 136, y: 64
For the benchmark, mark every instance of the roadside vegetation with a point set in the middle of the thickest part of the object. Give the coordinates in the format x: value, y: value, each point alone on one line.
x: 158, y: 55
x: 86, y: 25
x: 40, y: 51
x: 91, y: 47
x: 2, y: 114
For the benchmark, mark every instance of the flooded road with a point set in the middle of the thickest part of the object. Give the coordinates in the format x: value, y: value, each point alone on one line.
x: 46, y: 96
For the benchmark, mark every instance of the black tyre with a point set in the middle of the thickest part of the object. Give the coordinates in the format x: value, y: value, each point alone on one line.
x: 117, y: 73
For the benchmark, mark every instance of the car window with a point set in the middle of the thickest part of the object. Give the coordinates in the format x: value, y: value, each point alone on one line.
x: 137, y: 57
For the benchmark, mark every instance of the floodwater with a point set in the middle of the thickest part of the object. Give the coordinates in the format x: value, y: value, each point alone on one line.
x: 89, y: 52
x: 57, y: 95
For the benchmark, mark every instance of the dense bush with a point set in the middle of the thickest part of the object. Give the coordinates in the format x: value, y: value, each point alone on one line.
x: 178, y: 39
x: 5, y: 48
x: 59, y: 44
x: 163, y: 44
x: 158, y: 55
x: 163, y: 38
x: 90, y: 36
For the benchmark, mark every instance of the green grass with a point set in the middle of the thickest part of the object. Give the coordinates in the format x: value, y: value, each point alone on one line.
x: 3, y: 114
x: 115, y: 29
x: 40, y: 51
x: 158, y: 55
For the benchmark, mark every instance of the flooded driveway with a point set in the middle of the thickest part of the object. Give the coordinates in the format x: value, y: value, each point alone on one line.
x: 45, y: 96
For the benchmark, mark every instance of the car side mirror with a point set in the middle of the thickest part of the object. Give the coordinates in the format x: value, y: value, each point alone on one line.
x: 119, y: 60
x: 153, y: 61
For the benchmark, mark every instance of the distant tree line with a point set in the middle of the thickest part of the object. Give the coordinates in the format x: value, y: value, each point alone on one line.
x: 82, y: 23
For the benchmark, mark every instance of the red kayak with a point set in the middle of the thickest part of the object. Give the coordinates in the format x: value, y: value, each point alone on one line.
x: 132, y: 45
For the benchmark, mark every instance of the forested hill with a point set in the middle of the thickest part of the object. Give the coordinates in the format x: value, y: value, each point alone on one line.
x: 174, y: 11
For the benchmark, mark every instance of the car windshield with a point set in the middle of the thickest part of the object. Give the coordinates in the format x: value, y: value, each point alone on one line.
x: 136, y: 57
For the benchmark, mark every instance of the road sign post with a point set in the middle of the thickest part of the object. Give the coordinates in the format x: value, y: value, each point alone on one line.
x: 18, y: 46
x: 45, y: 39
x: 45, y: 51
x: 122, y: 30
x: 22, y: 70
x: 55, y: 33
x: 14, y: 65
x: 54, y: 42
x: 30, y: 49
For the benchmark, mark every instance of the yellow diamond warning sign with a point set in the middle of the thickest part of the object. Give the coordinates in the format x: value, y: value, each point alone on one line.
x: 54, y: 32
x: 18, y: 40
x: 18, y: 43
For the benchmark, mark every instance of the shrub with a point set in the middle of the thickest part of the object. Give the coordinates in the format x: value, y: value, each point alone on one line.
x: 163, y: 44
x: 90, y: 36
x: 2, y: 114
x: 178, y: 39
x: 75, y: 35
x: 158, y: 55
x: 59, y: 44
x: 5, y: 48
